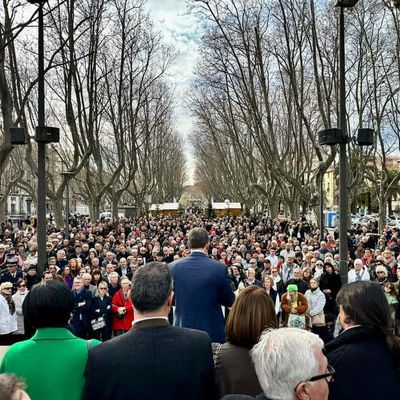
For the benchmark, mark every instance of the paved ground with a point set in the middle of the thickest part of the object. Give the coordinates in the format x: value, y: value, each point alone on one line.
x: 3, y: 349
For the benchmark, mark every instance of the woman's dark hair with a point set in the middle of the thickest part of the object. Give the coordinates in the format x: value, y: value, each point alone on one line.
x: 365, y: 304
x: 251, y: 313
x: 48, y: 305
x: 96, y: 272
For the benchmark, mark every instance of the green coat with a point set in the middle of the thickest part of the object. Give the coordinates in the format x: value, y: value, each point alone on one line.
x: 52, y: 363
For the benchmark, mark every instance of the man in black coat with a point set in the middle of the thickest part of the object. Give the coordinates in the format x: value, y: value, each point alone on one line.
x: 154, y: 360
x: 82, y: 312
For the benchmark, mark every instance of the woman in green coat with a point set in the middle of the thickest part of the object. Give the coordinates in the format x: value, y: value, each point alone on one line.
x: 52, y: 362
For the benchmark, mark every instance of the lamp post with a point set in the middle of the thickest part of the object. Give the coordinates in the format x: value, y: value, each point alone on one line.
x: 43, y: 135
x: 343, y: 205
x: 333, y: 136
x: 68, y: 175
x: 41, y: 174
x: 321, y: 168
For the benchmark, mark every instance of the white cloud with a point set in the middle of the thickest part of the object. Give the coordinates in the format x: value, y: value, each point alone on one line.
x: 182, y: 31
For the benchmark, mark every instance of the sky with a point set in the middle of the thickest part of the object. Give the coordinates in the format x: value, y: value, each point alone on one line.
x: 183, y: 32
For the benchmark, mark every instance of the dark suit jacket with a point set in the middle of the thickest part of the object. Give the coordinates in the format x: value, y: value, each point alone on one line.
x: 104, y: 308
x: 154, y: 360
x: 201, y: 286
x: 82, y: 311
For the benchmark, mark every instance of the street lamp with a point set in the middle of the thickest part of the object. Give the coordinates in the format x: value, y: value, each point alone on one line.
x: 321, y: 169
x: 343, y: 205
x: 68, y: 175
x: 339, y: 136
x: 43, y: 135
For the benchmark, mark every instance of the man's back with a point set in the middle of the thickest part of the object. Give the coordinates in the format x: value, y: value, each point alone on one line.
x: 152, y: 361
x: 201, y: 286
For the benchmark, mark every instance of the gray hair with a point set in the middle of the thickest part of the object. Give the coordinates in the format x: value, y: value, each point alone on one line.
x: 151, y: 286
x: 282, y: 359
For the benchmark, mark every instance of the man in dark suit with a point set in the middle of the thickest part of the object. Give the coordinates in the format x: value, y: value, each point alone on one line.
x: 201, y: 287
x: 82, y: 312
x: 154, y: 360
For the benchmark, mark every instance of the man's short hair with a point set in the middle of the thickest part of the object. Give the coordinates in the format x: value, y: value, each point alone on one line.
x: 48, y: 305
x: 151, y: 286
x: 283, y: 358
x: 197, y: 238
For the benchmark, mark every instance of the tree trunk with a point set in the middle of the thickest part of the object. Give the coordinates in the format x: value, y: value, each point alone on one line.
x: 273, y: 209
x: 114, y: 205
x: 294, y: 210
x: 382, y: 214
x: 59, y: 211
x: 94, y: 209
x: 390, y: 206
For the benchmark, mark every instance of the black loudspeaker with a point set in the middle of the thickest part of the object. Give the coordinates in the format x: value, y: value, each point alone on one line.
x: 47, y: 134
x: 17, y: 136
x: 331, y: 137
x: 365, y: 137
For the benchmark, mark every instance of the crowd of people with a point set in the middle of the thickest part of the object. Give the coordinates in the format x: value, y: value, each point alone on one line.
x: 248, y: 283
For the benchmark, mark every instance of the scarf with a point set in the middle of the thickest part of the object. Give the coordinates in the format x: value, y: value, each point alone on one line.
x: 11, y: 304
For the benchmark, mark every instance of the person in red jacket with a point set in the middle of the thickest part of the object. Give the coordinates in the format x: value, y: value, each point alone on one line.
x: 122, y: 309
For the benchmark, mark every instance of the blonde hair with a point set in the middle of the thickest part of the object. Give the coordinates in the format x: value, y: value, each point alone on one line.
x: 3, y: 285
x: 102, y: 284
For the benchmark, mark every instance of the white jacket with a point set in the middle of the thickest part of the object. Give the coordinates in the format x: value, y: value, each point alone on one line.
x: 364, y: 275
x: 8, y: 322
x: 316, y: 301
x: 19, y: 300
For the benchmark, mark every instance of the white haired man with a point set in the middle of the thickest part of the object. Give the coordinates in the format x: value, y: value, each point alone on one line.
x: 290, y: 365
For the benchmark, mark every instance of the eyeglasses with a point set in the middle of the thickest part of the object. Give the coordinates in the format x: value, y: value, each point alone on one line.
x: 102, y: 288
x: 328, y: 376
x: 22, y: 285
x: 8, y: 288
x: 380, y: 272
